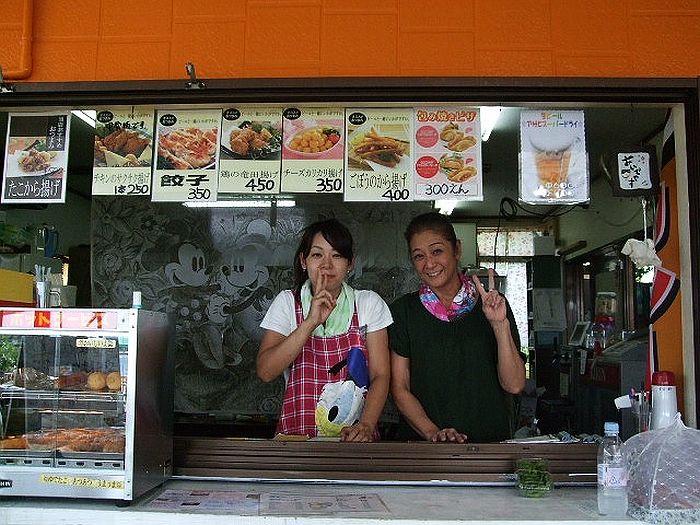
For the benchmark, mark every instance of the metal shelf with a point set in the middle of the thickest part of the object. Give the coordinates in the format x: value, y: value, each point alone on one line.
x: 24, y: 394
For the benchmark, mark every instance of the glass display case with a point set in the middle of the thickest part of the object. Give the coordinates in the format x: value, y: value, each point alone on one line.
x: 86, y: 408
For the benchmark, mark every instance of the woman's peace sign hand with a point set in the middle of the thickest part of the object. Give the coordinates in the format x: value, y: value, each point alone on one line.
x: 493, y: 303
x: 322, y: 302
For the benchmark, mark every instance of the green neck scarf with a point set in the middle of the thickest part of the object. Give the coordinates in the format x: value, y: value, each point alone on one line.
x: 339, y: 320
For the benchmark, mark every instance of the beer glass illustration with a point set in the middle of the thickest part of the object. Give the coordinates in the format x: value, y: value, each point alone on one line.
x: 552, y: 154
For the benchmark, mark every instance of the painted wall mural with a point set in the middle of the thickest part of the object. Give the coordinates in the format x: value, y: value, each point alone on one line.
x: 216, y: 270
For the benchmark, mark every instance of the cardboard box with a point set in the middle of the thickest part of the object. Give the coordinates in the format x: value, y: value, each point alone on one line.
x: 16, y: 288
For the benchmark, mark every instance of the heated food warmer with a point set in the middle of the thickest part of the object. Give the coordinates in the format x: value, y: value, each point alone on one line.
x: 86, y: 409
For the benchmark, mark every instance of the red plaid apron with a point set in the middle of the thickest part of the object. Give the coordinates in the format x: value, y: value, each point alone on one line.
x: 310, y: 372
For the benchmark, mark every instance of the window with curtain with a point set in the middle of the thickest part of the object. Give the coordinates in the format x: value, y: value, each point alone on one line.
x: 507, y: 250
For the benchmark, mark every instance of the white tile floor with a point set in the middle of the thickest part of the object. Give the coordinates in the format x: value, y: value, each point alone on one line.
x: 400, y: 505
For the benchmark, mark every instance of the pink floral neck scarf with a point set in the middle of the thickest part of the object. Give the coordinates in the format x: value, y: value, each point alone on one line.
x: 462, y: 303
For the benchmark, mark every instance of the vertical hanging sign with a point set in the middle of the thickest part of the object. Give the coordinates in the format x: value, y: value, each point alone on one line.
x: 312, y: 155
x: 36, y: 157
x: 251, y: 141
x: 187, y: 154
x: 448, y: 154
x: 123, y: 151
x: 378, y: 163
x: 553, y: 159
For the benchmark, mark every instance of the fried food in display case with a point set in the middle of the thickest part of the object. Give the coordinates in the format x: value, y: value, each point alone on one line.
x: 82, y: 402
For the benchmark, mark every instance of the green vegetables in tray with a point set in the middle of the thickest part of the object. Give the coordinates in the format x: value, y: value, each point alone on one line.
x: 534, y: 479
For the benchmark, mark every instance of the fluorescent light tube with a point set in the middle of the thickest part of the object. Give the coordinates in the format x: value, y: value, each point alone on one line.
x: 446, y: 207
x: 489, y: 116
x: 251, y: 203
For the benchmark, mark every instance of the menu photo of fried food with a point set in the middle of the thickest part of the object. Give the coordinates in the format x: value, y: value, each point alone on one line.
x: 456, y: 139
x: 456, y: 168
x: 122, y: 148
x: 313, y: 141
x: 371, y: 147
x: 252, y: 139
x: 32, y: 157
x: 187, y: 148
x: 33, y: 160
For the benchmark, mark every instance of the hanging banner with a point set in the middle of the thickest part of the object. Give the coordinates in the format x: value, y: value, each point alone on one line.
x: 553, y: 158
x: 251, y: 142
x: 123, y: 151
x: 447, y: 154
x: 378, y: 163
x: 313, y: 151
x: 185, y: 166
x: 36, y: 157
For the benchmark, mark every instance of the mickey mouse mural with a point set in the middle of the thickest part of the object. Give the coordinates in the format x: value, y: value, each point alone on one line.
x: 340, y: 403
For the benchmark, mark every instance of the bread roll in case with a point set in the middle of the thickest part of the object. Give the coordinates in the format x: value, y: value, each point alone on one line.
x: 114, y: 381
x: 97, y: 381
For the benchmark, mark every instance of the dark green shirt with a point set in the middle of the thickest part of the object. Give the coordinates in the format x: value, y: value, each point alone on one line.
x: 453, y: 368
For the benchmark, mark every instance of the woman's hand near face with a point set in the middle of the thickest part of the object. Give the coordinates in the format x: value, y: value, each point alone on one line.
x: 322, y: 302
x: 493, y: 303
x: 277, y: 351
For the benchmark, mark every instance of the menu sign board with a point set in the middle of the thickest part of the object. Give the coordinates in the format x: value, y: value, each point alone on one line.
x: 36, y: 157
x: 378, y: 163
x: 312, y: 154
x: 251, y: 141
x: 123, y: 151
x: 448, y: 154
x: 553, y: 158
x: 187, y: 155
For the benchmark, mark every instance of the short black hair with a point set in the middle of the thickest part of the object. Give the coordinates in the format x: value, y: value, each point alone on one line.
x: 432, y: 221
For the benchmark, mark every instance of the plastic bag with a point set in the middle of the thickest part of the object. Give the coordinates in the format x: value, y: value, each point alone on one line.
x: 664, y: 474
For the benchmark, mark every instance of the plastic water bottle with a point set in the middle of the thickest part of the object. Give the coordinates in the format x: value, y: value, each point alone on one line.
x: 612, y: 474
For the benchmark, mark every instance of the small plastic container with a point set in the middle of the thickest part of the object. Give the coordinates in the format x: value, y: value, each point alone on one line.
x: 534, y: 479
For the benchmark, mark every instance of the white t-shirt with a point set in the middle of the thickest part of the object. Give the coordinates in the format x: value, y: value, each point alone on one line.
x: 372, y: 312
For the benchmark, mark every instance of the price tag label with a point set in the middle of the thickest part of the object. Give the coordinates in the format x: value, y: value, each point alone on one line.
x: 82, y: 482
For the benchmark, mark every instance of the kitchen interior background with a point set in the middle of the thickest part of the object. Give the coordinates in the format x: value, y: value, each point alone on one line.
x: 217, y: 269
x: 88, y: 41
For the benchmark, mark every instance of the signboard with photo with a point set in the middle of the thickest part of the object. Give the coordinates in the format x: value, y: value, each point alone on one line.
x: 448, y: 154
x: 553, y: 157
x: 187, y: 155
x: 251, y: 144
x: 378, y: 161
x: 313, y: 150
x: 123, y: 151
x: 36, y: 157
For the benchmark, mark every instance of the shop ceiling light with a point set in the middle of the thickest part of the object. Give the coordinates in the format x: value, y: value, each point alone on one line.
x: 241, y: 203
x: 489, y: 116
x: 445, y: 207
